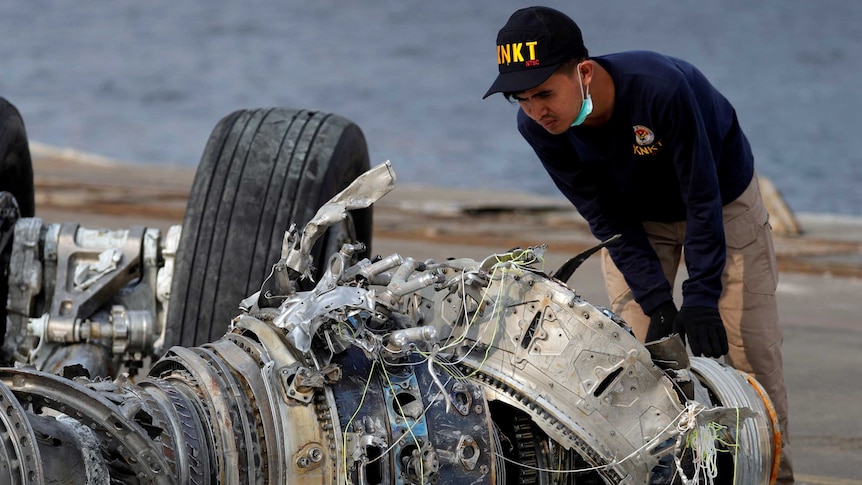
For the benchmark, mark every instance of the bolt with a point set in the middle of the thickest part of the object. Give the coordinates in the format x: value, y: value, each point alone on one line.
x: 315, y: 454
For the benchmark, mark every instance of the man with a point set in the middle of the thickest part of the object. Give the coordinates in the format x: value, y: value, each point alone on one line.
x: 644, y: 146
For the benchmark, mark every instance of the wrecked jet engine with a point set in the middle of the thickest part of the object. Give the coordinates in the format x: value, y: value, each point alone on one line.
x: 377, y: 370
x: 393, y: 371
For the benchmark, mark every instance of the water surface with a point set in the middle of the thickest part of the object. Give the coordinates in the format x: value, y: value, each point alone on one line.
x: 146, y: 81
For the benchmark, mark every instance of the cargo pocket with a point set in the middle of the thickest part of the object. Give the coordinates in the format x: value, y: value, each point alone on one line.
x: 750, y: 254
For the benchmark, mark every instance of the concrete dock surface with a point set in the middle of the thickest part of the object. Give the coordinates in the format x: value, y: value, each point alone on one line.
x: 819, y: 293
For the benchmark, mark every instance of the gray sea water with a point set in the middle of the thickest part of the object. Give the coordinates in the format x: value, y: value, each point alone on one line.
x: 145, y: 81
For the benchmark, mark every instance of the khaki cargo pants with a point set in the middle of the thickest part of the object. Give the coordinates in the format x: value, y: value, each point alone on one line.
x: 747, y: 304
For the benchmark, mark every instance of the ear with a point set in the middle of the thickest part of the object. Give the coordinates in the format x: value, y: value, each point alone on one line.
x: 586, y: 70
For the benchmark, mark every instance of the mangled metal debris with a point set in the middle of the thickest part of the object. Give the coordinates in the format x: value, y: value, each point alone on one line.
x: 387, y: 370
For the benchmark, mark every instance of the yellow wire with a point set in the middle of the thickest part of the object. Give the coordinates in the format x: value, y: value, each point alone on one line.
x: 409, y: 428
x: 496, y: 324
x: 519, y: 259
x: 713, y: 429
x: 350, y: 421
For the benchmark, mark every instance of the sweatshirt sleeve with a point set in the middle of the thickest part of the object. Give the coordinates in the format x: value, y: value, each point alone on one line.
x: 695, y: 164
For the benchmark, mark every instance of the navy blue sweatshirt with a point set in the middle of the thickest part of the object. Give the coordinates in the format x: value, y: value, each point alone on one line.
x: 672, y: 151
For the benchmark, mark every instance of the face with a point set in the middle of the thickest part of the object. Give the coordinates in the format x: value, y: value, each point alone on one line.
x: 555, y: 103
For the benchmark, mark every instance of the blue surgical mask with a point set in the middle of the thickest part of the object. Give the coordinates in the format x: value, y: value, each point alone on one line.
x: 586, y: 105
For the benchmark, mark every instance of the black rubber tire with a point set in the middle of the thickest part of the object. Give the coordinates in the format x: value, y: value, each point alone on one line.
x: 16, y: 166
x: 261, y: 170
x: 16, y: 177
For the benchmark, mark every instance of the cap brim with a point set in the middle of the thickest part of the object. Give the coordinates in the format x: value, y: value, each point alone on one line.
x: 517, y: 81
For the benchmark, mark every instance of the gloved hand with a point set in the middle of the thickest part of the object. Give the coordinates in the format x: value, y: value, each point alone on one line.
x: 661, y: 321
x: 704, y: 329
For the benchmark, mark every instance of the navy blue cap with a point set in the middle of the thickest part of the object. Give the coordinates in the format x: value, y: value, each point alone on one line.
x: 532, y: 45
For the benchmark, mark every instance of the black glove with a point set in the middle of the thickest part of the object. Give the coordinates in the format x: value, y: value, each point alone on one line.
x: 661, y: 321
x: 705, y: 331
